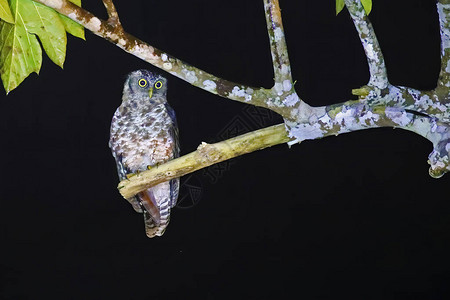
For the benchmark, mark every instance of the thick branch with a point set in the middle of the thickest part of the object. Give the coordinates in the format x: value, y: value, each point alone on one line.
x: 354, y: 115
x: 425, y: 102
x: 206, y: 155
x: 375, y: 59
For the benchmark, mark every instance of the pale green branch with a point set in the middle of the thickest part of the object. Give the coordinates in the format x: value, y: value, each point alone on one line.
x: 204, y: 156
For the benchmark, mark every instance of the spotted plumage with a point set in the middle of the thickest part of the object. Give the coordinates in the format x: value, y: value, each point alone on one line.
x: 144, y: 133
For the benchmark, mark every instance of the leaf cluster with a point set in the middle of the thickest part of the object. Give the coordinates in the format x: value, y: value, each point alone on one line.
x: 22, y: 23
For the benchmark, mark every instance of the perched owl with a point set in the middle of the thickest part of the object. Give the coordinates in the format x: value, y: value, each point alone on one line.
x: 144, y: 133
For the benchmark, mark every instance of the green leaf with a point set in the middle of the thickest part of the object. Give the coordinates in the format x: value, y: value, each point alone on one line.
x: 20, y: 53
x: 367, y: 4
x: 46, y: 24
x: 5, y: 12
x: 339, y: 6
x: 71, y: 26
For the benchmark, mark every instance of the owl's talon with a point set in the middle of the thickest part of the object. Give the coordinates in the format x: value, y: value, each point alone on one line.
x: 130, y: 175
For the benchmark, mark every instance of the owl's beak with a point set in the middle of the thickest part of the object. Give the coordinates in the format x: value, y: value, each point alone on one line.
x: 150, y: 92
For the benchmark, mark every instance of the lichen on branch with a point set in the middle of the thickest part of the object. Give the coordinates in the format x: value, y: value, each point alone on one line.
x: 372, y: 49
x: 112, y: 31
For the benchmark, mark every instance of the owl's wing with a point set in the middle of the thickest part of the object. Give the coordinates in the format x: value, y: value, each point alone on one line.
x: 123, y: 171
x: 173, y: 131
x: 158, y: 200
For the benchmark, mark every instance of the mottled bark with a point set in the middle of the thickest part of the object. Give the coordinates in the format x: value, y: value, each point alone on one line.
x: 381, y: 104
x: 112, y: 31
x: 375, y: 59
x: 113, y: 16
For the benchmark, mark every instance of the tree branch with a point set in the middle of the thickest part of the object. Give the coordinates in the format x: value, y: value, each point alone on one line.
x: 355, y: 115
x: 443, y: 85
x: 113, y: 16
x: 204, y: 156
x: 283, y: 96
x: 278, y: 47
x: 375, y: 59
x: 269, y: 98
x: 336, y: 119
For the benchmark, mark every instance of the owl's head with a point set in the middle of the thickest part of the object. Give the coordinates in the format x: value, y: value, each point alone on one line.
x: 146, y: 85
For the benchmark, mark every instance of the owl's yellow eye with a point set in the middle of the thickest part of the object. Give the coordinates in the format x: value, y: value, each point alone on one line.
x: 142, y: 82
x: 158, y: 84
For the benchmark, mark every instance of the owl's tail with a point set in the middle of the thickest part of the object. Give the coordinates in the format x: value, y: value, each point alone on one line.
x: 156, y: 213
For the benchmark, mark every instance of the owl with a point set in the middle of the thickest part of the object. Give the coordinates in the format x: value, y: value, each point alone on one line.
x: 144, y: 134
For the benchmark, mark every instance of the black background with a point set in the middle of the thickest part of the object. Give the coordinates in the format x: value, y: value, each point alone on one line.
x: 355, y: 216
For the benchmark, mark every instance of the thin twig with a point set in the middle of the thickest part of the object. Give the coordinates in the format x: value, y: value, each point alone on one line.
x: 278, y: 47
x: 113, y: 16
x: 292, y: 108
x: 336, y: 119
x: 375, y: 59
